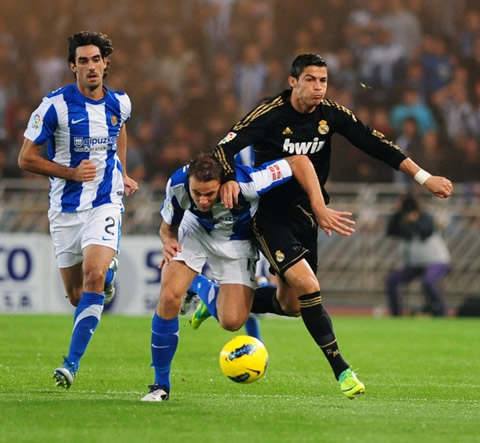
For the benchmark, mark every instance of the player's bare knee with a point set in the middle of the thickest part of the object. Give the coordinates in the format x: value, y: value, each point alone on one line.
x: 231, y: 326
x: 231, y: 323
x: 169, y: 301
x: 93, y: 278
x: 309, y: 286
x: 300, y: 285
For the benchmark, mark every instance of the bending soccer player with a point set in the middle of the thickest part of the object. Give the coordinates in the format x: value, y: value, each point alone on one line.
x: 203, y: 287
x: 197, y: 229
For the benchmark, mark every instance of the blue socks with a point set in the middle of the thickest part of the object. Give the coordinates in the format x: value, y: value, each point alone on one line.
x: 164, y: 344
x: 252, y: 326
x: 85, y: 321
x: 207, y: 290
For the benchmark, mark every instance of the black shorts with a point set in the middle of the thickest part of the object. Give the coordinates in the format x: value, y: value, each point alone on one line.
x: 287, y: 238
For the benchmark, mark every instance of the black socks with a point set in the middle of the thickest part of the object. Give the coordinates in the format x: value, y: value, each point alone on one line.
x: 320, y: 326
x: 265, y: 300
x: 314, y: 316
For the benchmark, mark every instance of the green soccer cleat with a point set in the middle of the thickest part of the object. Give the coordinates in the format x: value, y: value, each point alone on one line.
x: 200, y: 314
x: 350, y: 385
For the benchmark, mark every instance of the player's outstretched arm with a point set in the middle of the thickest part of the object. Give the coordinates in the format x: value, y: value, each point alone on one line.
x: 439, y: 186
x: 328, y: 219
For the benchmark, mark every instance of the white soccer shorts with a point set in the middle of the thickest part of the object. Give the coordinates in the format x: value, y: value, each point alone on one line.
x: 230, y: 261
x: 72, y: 232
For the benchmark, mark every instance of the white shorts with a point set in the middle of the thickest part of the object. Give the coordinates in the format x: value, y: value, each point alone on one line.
x: 72, y: 232
x: 230, y: 261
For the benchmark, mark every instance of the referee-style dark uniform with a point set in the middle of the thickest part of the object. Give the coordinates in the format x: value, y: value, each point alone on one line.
x: 285, y: 228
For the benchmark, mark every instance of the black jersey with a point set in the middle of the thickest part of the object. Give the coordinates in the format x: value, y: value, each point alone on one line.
x: 275, y: 129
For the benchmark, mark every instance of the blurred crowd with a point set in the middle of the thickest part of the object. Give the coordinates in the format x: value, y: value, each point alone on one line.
x: 409, y: 68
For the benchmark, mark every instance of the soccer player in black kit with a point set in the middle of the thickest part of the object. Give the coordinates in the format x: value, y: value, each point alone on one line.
x: 302, y: 120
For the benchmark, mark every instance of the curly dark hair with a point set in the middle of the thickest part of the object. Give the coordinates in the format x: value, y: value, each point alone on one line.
x: 205, y: 167
x: 85, y: 38
x: 304, y: 60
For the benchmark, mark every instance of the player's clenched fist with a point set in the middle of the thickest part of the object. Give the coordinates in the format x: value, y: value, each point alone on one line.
x: 85, y: 171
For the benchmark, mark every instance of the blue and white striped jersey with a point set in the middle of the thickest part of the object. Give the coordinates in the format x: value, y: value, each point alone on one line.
x: 220, y: 222
x: 77, y: 128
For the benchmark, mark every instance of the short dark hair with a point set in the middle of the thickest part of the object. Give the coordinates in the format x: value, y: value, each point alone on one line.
x: 205, y: 168
x: 85, y: 38
x: 304, y: 60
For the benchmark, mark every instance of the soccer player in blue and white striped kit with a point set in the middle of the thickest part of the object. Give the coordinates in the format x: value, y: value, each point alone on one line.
x: 197, y: 229
x: 83, y: 125
x: 202, y: 286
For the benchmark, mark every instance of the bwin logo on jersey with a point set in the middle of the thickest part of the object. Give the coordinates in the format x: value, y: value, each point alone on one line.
x: 303, y: 147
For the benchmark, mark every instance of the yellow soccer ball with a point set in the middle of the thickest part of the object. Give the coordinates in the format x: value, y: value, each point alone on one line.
x: 244, y: 359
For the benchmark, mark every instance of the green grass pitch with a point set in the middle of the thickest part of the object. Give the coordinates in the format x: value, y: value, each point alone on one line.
x: 421, y: 376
